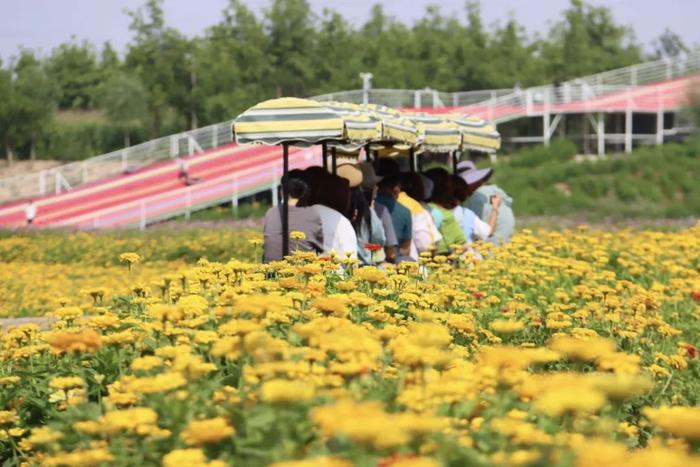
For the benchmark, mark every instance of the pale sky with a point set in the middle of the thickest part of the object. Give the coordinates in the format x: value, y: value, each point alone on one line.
x: 44, y: 24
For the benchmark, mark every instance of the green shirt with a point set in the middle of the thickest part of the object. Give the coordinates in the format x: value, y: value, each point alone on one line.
x: 449, y: 228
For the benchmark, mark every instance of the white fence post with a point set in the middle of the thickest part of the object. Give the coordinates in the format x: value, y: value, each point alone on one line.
x: 234, y: 199
x: 188, y: 203
x: 273, y: 188
x: 142, y: 215
x: 215, y: 136
x: 42, y: 182
x: 125, y: 160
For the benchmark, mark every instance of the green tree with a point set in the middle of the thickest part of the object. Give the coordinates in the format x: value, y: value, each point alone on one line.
x: 233, y: 70
x: 669, y: 45
x: 30, y: 104
x: 587, y: 41
x: 73, y: 68
x: 159, y: 57
x: 289, y: 26
x: 123, y: 99
x: 334, y: 68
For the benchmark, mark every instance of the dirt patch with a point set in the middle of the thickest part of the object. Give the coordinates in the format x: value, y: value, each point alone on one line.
x: 24, y: 167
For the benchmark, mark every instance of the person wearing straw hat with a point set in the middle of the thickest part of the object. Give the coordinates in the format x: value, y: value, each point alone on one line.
x: 480, y: 201
x: 301, y: 218
x: 370, y: 179
x: 387, y: 195
x: 368, y: 228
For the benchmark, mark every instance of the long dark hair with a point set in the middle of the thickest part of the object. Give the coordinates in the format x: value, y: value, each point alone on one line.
x: 360, y: 210
x: 334, y: 192
x: 443, y: 189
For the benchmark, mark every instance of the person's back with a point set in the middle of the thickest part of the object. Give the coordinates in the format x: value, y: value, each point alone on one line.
x: 301, y: 219
x: 425, y: 233
x: 338, y: 234
x: 479, y: 203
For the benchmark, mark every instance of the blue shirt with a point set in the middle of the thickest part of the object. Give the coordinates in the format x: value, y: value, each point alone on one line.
x: 400, y: 217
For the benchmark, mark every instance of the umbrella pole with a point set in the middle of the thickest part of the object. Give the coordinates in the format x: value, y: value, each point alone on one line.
x: 334, y: 161
x: 420, y: 164
x: 285, y: 200
x: 368, y: 155
x: 454, y: 162
x: 324, y: 149
x: 412, y: 159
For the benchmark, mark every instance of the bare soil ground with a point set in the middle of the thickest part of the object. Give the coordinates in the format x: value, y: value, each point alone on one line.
x: 23, y: 167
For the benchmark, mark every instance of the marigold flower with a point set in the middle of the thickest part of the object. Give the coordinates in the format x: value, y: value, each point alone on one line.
x: 279, y: 390
x: 85, y: 340
x: 200, y: 432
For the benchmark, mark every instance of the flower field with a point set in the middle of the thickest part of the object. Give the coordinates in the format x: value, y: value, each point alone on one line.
x: 573, y: 348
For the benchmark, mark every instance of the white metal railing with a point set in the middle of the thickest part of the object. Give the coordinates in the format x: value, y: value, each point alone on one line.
x: 67, y: 176
x: 415, y: 98
x: 184, y: 200
x: 541, y: 99
x: 489, y: 104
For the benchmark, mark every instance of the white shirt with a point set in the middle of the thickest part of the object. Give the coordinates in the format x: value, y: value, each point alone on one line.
x: 30, y: 211
x: 482, y: 230
x: 338, y: 234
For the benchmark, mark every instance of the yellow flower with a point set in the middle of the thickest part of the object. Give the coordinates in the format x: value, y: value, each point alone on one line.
x: 189, y: 458
x: 85, y: 340
x: 297, y: 235
x: 504, y: 326
x: 314, y: 462
x: 80, y: 458
x: 279, y: 390
x: 146, y: 363
x: 200, y: 432
x: 565, y: 400
x: 66, y: 382
x: 679, y: 421
x: 130, y: 258
x: 8, y: 416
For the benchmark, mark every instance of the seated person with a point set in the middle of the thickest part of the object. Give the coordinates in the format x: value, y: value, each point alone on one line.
x: 472, y: 226
x: 301, y: 218
x: 443, y: 201
x: 389, y: 189
x: 425, y: 233
x: 364, y: 219
x: 331, y: 198
x: 480, y: 195
x: 369, y: 189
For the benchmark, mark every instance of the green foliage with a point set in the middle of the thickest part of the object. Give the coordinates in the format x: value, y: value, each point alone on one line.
x: 652, y: 182
x: 74, y: 69
x: 123, y: 99
x: 288, y: 50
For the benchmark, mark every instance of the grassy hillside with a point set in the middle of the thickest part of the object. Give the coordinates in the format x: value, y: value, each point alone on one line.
x: 652, y: 182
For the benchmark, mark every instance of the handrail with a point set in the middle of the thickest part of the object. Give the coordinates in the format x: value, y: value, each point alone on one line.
x: 271, y: 170
x: 70, y: 175
x: 66, y: 176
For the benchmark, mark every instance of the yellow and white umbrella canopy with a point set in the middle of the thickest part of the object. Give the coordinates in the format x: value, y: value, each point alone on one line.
x: 440, y: 135
x: 290, y: 120
x: 477, y: 134
x: 396, y: 128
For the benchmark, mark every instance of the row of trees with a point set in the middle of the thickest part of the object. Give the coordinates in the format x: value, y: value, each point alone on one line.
x: 167, y: 82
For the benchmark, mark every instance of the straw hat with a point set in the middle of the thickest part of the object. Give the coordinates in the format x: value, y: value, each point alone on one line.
x: 351, y: 173
x: 470, y: 174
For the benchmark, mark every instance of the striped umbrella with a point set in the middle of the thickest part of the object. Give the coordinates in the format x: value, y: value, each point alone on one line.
x: 288, y: 121
x: 440, y: 135
x: 477, y: 135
